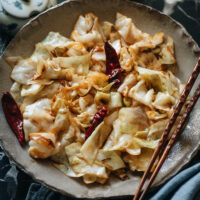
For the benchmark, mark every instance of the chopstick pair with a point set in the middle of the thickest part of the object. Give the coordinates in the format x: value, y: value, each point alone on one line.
x: 163, y: 139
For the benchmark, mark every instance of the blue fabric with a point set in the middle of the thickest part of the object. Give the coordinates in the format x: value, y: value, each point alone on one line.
x: 184, y: 186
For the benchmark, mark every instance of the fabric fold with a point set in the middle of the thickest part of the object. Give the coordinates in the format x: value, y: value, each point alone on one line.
x: 183, y: 186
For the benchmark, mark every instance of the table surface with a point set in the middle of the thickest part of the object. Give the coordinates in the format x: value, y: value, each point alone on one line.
x: 14, y: 184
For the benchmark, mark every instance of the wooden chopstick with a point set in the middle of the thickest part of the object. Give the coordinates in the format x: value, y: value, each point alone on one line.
x: 173, y: 138
x: 170, y: 124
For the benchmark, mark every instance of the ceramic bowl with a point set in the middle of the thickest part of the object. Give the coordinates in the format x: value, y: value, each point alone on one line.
x: 14, y: 14
x: 62, y: 18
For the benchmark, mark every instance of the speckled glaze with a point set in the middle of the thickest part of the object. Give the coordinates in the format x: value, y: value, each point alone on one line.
x: 62, y: 19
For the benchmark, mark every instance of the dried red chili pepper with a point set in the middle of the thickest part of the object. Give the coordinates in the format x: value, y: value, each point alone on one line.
x: 98, y: 118
x: 113, y: 68
x: 13, y: 116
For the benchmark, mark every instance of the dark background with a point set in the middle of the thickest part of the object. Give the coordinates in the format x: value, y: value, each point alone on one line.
x: 14, y: 184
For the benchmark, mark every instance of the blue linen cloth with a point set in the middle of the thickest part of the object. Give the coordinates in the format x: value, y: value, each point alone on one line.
x: 16, y: 185
x: 184, y: 186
